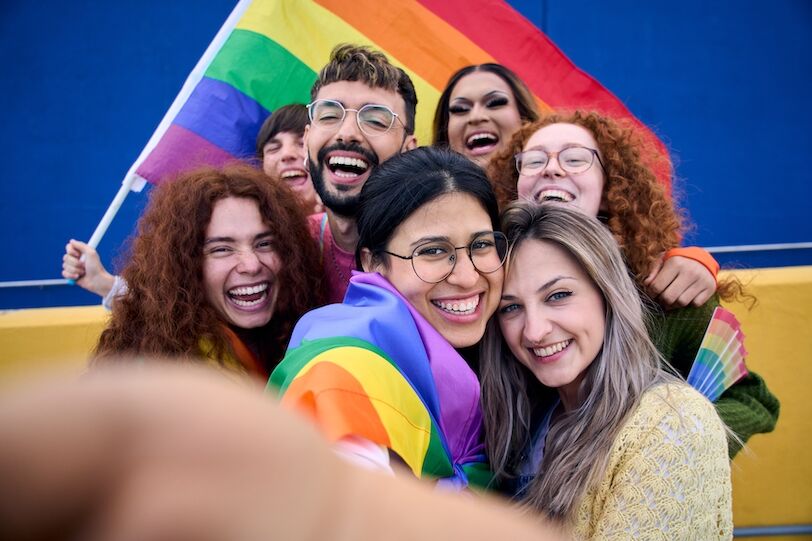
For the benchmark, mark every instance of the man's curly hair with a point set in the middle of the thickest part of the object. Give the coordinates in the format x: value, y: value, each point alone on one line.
x: 165, y: 312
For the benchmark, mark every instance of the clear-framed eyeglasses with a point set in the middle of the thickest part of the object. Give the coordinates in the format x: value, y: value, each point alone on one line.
x: 575, y: 159
x: 434, y: 261
x: 373, y: 119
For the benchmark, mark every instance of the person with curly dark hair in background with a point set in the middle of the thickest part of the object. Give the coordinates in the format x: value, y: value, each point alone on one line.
x: 221, y: 268
x: 603, y: 168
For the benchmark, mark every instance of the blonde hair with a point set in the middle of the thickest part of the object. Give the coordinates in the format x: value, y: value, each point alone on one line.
x: 578, y: 443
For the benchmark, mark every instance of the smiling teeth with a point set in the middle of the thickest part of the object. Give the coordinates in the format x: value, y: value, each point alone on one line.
x: 551, y: 350
x: 478, y: 136
x: 296, y: 173
x: 555, y: 195
x: 463, y: 307
x: 252, y: 290
x: 346, y: 160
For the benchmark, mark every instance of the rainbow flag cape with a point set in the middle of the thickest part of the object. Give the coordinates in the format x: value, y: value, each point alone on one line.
x: 374, y: 367
x: 268, y: 53
x: 719, y: 363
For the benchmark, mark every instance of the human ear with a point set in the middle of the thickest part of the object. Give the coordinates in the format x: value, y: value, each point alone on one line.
x: 367, y: 260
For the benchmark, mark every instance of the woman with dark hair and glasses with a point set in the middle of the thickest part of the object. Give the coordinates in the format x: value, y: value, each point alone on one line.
x: 381, y: 373
x: 593, y: 163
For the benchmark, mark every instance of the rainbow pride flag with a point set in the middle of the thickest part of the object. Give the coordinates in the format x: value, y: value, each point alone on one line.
x: 373, y: 367
x: 268, y: 53
x: 719, y: 363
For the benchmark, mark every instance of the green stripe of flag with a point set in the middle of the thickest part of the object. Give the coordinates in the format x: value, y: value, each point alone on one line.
x: 262, y: 69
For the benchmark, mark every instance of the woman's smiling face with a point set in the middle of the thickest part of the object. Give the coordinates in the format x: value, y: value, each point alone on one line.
x: 552, y: 316
x: 459, y: 306
x: 482, y: 116
x: 553, y: 183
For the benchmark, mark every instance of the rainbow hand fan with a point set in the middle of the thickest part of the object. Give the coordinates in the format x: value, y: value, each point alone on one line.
x: 719, y: 362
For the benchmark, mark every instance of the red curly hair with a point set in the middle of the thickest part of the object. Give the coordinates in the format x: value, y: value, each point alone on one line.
x: 165, y: 312
x: 639, y: 212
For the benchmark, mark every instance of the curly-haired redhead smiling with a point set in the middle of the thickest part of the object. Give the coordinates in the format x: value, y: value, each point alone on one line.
x: 221, y: 268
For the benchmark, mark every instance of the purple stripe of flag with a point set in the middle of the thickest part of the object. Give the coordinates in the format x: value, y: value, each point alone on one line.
x: 180, y: 150
x: 224, y: 116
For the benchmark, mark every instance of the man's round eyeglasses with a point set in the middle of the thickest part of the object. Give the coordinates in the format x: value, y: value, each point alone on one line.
x: 372, y: 119
x: 434, y: 261
x: 575, y: 159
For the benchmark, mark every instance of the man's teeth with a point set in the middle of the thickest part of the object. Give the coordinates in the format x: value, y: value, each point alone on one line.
x: 252, y: 290
x: 346, y: 160
x: 461, y: 307
x: 555, y: 195
x: 551, y: 350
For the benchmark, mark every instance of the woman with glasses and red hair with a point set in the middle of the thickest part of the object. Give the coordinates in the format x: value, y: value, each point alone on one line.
x: 599, y: 166
x: 381, y: 373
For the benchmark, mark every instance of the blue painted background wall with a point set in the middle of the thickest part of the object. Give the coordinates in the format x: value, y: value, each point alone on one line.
x: 726, y: 85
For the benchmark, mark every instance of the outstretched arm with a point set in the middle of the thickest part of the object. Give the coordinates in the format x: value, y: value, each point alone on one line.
x: 182, y: 453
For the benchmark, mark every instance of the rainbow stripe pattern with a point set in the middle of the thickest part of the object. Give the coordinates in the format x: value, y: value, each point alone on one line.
x: 719, y: 362
x: 373, y: 367
x: 268, y: 53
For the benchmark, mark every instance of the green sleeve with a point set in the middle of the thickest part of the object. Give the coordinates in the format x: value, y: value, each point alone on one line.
x: 748, y: 407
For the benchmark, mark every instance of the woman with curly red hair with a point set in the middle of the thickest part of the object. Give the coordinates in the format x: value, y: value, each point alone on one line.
x: 221, y: 268
x: 602, y: 167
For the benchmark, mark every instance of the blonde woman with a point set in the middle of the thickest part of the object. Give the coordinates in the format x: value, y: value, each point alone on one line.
x: 582, y: 423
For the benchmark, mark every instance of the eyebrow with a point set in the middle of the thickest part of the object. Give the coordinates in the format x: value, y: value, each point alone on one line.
x: 257, y: 237
x: 545, y: 286
x: 439, y: 238
x: 488, y: 95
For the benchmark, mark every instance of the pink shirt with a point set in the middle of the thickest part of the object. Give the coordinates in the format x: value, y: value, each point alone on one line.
x: 338, y: 264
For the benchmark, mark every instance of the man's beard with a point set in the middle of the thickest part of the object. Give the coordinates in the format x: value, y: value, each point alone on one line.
x: 343, y: 204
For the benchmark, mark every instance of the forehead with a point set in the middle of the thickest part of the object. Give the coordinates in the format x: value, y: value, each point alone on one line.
x: 535, y: 262
x: 286, y: 136
x: 478, y: 83
x: 454, y: 215
x: 233, y: 214
x: 356, y: 94
x: 557, y: 135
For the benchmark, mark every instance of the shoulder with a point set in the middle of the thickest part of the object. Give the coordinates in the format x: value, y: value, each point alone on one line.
x: 676, y: 406
x: 672, y: 421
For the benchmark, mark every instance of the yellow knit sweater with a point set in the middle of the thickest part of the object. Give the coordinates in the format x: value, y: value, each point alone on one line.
x: 668, y: 475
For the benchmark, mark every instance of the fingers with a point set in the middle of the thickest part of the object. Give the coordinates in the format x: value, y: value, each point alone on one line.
x: 682, y: 282
x: 655, y: 270
x: 72, y: 265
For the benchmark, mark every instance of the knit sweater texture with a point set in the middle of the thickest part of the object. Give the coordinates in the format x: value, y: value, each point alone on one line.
x: 748, y: 407
x: 668, y: 475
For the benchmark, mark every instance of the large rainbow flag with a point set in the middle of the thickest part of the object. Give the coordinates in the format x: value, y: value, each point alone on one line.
x: 268, y: 52
x: 373, y: 367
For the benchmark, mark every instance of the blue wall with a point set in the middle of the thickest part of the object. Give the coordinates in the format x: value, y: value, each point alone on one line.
x: 85, y: 84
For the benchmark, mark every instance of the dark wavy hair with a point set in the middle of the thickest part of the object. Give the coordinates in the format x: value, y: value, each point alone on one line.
x: 165, y: 312
x: 524, y: 98
x: 406, y: 182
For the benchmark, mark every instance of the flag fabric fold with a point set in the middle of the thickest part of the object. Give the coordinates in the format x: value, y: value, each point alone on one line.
x: 374, y: 367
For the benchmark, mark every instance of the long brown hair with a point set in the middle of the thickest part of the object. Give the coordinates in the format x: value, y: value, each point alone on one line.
x: 165, y: 312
